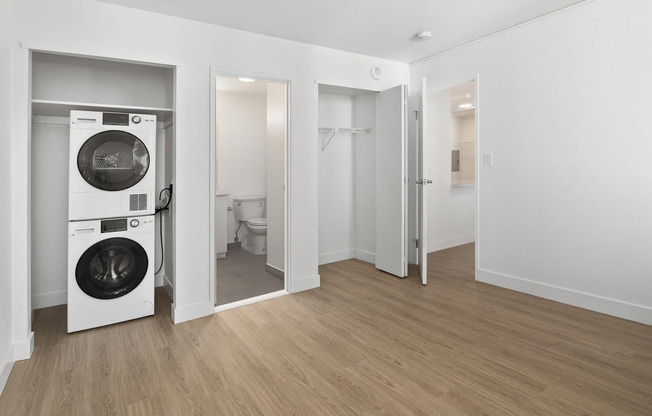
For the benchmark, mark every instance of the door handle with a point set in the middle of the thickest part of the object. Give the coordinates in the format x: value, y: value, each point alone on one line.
x: 424, y: 181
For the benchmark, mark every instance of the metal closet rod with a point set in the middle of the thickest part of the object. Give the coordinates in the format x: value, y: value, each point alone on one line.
x: 334, y: 130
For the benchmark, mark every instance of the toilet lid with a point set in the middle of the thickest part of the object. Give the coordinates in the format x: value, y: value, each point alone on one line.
x: 257, y: 221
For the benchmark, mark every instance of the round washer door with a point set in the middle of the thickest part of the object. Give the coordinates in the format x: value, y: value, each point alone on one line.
x: 113, y: 160
x: 111, y: 268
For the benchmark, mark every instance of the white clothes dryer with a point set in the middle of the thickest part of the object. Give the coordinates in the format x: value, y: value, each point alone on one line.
x: 110, y: 271
x: 112, y: 165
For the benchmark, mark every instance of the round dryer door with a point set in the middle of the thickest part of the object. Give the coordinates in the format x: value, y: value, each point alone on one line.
x: 111, y: 268
x: 113, y: 160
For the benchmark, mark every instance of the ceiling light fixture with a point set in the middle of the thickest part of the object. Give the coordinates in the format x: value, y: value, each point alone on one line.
x: 466, y: 105
x: 243, y: 79
x: 424, y: 35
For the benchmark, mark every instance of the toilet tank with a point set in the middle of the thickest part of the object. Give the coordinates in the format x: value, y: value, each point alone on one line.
x: 246, y: 207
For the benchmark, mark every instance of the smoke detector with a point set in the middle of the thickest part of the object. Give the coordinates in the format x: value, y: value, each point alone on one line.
x: 424, y: 35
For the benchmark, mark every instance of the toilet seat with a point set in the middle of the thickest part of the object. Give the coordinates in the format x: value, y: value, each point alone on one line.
x: 257, y: 222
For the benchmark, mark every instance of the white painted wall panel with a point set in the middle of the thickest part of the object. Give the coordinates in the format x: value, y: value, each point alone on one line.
x: 6, y: 85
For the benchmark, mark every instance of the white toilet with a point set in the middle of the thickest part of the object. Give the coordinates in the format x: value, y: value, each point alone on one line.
x: 250, y: 209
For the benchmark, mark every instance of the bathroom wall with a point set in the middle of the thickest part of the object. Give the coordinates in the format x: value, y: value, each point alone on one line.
x: 241, y: 149
x: 451, y: 210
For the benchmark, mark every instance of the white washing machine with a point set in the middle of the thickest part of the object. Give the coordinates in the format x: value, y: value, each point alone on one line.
x: 112, y: 165
x: 110, y: 271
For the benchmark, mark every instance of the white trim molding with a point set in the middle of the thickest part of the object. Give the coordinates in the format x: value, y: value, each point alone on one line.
x: 190, y: 312
x: 451, y: 242
x: 367, y: 256
x: 334, y: 256
x: 5, y: 368
x: 305, y: 283
x: 613, y: 307
x: 45, y: 300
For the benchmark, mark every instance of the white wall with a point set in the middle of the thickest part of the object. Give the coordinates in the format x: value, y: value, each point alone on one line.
x: 451, y: 210
x: 276, y: 134
x: 564, y: 108
x: 6, y: 85
x: 241, y: 149
x: 83, y: 27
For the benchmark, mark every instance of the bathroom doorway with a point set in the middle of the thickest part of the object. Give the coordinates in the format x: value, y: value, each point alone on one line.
x: 250, y: 134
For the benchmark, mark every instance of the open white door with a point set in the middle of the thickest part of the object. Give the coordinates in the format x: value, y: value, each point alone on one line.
x: 422, y: 186
x: 391, y: 229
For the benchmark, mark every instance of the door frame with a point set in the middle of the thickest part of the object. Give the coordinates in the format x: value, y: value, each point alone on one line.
x: 213, y: 189
x: 448, y: 85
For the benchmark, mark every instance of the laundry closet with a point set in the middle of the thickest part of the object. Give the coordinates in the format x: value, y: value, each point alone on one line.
x: 362, y: 176
x: 59, y: 84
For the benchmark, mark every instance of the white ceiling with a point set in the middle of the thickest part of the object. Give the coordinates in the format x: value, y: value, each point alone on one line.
x: 381, y: 28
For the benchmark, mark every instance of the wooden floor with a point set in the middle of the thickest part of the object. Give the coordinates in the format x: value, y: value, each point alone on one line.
x: 365, y: 343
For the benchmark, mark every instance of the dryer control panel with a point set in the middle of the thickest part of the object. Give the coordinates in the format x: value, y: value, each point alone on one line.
x: 113, y: 226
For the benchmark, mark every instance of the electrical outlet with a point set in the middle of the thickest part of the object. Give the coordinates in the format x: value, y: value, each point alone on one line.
x: 488, y: 159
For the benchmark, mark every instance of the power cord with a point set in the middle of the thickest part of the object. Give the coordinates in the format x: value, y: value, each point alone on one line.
x: 160, y: 222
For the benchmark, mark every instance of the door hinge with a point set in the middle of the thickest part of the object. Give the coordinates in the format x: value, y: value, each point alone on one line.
x: 416, y: 115
x: 416, y: 242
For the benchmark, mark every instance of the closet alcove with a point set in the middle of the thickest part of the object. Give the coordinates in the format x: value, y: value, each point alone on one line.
x: 59, y: 84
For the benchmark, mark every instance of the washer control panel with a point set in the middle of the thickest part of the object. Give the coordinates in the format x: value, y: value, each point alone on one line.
x: 113, y: 226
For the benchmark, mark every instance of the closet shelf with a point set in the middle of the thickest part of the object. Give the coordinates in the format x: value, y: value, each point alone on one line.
x: 335, y: 130
x: 55, y: 108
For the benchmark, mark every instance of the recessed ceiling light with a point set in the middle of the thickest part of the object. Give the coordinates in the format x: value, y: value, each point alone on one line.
x: 424, y: 35
x: 243, y: 79
x: 466, y: 105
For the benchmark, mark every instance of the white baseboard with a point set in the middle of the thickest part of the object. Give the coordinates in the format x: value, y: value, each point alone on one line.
x: 451, y: 242
x: 334, y: 256
x: 305, y: 283
x: 274, y: 271
x: 45, y: 300
x: 16, y: 352
x: 365, y: 256
x: 161, y: 280
x: 613, y: 307
x: 6, y: 365
x: 23, y: 350
x: 190, y: 312
x: 250, y: 301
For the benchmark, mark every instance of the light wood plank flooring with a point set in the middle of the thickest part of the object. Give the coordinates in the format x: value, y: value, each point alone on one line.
x: 365, y: 343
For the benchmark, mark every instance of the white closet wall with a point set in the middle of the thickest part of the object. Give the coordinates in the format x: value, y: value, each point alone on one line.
x: 346, y: 176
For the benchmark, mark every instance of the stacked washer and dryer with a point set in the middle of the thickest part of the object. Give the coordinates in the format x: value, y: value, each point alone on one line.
x: 111, y: 211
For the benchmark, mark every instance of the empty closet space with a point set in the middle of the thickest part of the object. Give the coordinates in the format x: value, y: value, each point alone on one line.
x: 59, y: 84
x: 347, y: 174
